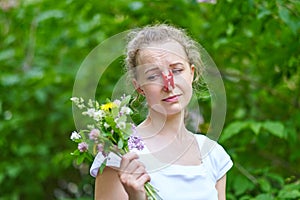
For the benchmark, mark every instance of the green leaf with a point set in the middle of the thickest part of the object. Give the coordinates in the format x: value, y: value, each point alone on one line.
x: 285, y: 15
x: 125, y: 101
x: 89, y: 156
x: 264, y: 185
x: 115, y: 112
x: 293, y: 194
x: 50, y: 14
x: 109, y: 120
x: 255, y: 127
x: 7, y: 54
x: 10, y: 80
x: 123, y: 118
x: 230, y: 29
x: 14, y: 171
x: 263, y: 12
x: 76, y: 153
x: 290, y: 191
x: 233, y: 129
x: 264, y: 197
x: 241, y: 184
x: 120, y: 143
x: 275, y: 128
x: 275, y: 178
x: 103, y: 165
x: 127, y: 131
x: 80, y: 159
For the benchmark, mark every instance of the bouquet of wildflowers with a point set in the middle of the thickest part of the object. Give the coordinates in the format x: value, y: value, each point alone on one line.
x: 109, y: 131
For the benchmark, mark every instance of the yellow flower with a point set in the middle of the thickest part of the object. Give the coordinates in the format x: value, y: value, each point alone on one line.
x: 108, y: 106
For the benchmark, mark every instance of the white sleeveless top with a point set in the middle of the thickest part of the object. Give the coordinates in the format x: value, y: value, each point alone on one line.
x: 180, y: 182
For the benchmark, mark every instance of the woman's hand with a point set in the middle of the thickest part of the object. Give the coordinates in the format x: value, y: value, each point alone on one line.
x: 133, y: 176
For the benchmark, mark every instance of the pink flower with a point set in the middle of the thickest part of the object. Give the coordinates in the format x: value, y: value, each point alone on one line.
x: 100, y: 148
x: 94, y: 134
x: 83, y: 146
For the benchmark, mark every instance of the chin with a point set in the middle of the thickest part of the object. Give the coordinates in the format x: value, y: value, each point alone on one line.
x: 169, y: 110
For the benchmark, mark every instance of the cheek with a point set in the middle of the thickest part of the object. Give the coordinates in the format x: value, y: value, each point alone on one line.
x: 185, y: 85
x: 152, y: 92
x: 183, y: 81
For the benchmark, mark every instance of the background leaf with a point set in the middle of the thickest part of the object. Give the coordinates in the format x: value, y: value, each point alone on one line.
x: 255, y: 45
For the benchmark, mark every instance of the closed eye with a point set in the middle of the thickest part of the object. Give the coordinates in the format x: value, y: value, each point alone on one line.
x: 153, y: 77
x: 177, y: 71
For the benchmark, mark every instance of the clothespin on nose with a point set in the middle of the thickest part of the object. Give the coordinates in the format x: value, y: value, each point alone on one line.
x: 168, y: 81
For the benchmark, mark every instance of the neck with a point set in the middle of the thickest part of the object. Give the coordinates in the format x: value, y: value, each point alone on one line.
x: 165, y: 125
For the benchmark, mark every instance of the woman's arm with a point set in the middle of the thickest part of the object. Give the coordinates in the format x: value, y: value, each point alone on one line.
x: 221, y: 188
x: 109, y: 186
x: 124, y: 183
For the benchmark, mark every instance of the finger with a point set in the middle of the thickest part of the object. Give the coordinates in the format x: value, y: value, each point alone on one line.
x: 136, y: 173
x: 144, y: 178
x: 137, y: 184
x: 135, y: 167
x: 127, y: 158
x: 139, y: 171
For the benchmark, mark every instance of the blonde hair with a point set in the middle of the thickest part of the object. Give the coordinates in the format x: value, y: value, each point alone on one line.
x: 142, y: 37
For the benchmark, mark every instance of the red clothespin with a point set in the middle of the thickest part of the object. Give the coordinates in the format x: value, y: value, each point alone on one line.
x: 168, y: 80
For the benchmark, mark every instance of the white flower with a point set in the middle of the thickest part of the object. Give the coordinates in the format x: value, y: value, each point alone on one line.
x: 75, y: 136
x: 121, y: 125
x: 81, y: 106
x: 78, y: 102
x: 98, y: 115
x: 91, y: 126
x: 117, y: 102
x: 125, y: 110
x: 90, y: 112
x: 81, y: 100
x: 90, y: 103
x: 75, y: 100
x: 106, y: 125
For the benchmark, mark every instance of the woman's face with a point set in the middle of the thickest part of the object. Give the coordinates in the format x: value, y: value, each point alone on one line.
x: 165, y: 77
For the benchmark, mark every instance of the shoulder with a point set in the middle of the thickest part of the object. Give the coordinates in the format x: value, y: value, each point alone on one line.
x: 209, y: 147
x: 111, y: 160
x: 214, y: 156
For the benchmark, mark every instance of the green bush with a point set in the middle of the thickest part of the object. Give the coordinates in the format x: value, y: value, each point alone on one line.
x: 255, y: 44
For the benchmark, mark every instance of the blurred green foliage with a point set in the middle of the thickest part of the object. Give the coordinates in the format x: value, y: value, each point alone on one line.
x: 255, y: 44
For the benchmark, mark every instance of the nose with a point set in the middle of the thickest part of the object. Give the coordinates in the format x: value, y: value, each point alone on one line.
x: 168, y: 81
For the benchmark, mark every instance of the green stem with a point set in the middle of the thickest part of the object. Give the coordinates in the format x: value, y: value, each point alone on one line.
x: 151, y: 192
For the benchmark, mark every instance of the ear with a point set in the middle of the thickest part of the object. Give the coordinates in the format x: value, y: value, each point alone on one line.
x: 192, y: 71
x: 137, y: 87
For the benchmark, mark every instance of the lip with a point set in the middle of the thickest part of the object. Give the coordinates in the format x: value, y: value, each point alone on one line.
x: 173, y: 98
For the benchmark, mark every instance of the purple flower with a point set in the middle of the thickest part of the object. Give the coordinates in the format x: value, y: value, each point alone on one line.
x: 83, y: 146
x: 100, y: 148
x: 133, y: 128
x: 135, y: 142
x: 94, y: 134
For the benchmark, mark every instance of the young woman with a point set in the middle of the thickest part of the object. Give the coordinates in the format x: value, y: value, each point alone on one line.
x: 163, y: 63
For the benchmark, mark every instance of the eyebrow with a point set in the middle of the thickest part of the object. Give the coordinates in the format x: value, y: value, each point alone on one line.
x: 176, y: 63
x: 151, y: 69
x: 157, y: 68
